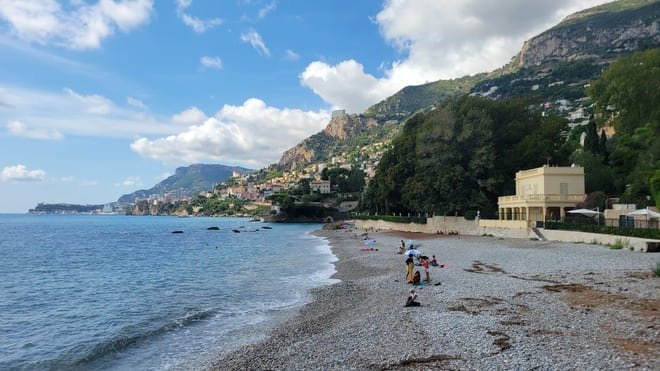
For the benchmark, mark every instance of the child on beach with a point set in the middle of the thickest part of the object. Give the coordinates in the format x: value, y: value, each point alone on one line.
x: 410, y: 302
x: 434, y: 262
x: 417, y: 278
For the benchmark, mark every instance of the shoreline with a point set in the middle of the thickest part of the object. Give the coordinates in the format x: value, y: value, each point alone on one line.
x: 501, y: 303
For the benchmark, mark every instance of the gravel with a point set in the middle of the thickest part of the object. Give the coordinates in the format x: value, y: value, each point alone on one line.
x: 502, y: 304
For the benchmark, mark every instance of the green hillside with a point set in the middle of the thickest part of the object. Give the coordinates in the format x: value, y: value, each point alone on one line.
x: 187, y: 181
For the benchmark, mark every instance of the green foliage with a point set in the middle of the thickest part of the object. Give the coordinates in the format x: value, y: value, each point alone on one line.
x: 66, y: 208
x: 656, y: 270
x: 618, y: 244
x: 628, y: 92
x: 461, y: 157
x: 344, y: 180
x: 654, y: 185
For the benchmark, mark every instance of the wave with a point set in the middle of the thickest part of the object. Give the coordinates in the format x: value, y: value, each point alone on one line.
x: 123, y: 342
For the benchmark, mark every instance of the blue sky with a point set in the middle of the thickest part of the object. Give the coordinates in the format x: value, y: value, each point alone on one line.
x: 101, y: 98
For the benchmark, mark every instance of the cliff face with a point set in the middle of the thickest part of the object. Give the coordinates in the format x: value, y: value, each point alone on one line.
x: 344, y: 126
x: 602, y: 35
x: 319, y: 146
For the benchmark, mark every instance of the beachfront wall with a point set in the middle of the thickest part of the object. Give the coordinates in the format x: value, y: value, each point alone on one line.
x: 505, y: 228
x: 434, y: 225
x: 634, y: 243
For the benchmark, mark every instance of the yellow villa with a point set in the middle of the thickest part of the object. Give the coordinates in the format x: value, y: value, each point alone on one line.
x: 543, y: 193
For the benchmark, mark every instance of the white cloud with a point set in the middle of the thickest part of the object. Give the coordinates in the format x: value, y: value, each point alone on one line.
x: 20, y: 173
x: 94, y: 103
x: 136, y: 103
x: 191, y: 116
x: 198, y: 25
x: 211, y: 62
x: 131, y: 181
x: 19, y: 129
x: 252, y: 134
x: 344, y: 85
x: 255, y: 40
x: 291, y: 55
x: 263, y: 12
x: 77, y: 26
x: 49, y: 115
x: 439, y: 40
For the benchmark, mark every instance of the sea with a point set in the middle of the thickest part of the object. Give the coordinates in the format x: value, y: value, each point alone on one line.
x: 114, y: 292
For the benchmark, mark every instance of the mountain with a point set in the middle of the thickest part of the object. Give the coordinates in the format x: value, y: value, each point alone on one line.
x: 552, y: 71
x: 602, y: 33
x: 343, y: 133
x: 187, y: 181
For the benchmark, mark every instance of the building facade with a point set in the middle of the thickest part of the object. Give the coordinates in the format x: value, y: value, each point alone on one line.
x: 544, y: 193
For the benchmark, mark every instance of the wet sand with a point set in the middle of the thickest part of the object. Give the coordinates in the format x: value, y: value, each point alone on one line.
x: 501, y: 303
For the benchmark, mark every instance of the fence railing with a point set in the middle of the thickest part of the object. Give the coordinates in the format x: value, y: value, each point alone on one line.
x: 632, y: 227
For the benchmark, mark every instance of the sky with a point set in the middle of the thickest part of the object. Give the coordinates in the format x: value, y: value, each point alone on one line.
x: 101, y: 98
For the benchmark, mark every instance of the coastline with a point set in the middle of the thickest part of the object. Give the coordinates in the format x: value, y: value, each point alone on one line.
x: 501, y: 303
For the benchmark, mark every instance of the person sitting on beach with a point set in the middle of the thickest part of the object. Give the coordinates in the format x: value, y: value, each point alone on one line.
x: 400, y: 250
x: 417, y: 278
x: 434, y: 262
x: 410, y: 265
x: 411, y: 301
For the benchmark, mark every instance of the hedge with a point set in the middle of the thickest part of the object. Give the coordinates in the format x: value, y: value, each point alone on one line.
x: 629, y: 232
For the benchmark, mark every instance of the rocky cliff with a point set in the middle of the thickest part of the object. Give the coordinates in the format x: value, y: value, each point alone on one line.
x: 601, y: 33
x: 572, y: 52
x: 320, y: 146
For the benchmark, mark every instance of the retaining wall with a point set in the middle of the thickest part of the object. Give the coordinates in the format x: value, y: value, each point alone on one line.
x: 635, y: 243
x: 508, y: 229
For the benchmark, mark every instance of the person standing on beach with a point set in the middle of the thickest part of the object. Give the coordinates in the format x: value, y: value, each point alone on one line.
x: 410, y: 266
x: 425, y: 264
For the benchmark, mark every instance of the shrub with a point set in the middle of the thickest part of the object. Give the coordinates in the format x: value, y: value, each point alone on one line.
x: 618, y: 244
x: 656, y: 270
x: 628, y: 232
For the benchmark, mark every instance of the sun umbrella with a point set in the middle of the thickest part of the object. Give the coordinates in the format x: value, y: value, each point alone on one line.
x: 648, y: 212
x: 413, y: 252
x: 587, y: 212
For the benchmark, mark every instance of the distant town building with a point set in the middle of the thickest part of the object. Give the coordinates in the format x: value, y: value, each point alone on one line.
x: 338, y: 113
x: 320, y: 186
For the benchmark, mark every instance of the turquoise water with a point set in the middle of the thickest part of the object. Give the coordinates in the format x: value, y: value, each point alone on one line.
x: 119, y: 292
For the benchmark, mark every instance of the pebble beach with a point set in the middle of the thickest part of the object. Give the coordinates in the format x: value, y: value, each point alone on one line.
x: 497, y: 304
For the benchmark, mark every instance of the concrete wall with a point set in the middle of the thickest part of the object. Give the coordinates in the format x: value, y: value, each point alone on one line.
x: 637, y: 244
x: 503, y: 228
x: 436, y: 224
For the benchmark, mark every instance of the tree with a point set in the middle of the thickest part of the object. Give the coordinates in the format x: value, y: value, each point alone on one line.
x: 627, y: 95
x: 462, y: 156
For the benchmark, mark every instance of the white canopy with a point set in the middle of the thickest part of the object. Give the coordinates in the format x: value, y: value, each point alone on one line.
x: 649, y: 213
x: 586, y: 212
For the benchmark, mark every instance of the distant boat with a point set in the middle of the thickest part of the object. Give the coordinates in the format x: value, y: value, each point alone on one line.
x: 212, y: 229
x: 236, y: 231
x: 177, y: 231
x: 267, y: 227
